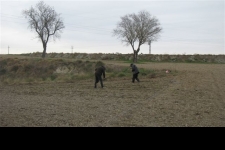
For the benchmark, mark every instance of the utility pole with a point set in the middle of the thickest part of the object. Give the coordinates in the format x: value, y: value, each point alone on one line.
x: 72, y: 48
x: 149, y: 43
x: 8, y: 50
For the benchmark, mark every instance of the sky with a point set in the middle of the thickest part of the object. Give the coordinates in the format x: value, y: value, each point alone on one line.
x: 189, y: 27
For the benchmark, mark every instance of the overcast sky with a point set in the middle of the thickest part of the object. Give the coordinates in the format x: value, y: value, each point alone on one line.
x: 189, y: 26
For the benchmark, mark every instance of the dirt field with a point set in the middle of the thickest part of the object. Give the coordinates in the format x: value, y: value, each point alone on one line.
x: 193, y: 98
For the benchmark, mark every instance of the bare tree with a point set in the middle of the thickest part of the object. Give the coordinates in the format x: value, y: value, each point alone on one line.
x: 137, y: 28
x: 45, y: 21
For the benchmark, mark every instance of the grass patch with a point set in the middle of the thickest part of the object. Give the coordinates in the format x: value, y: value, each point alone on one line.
x: 139, y: 62
x: 121, y: 75
x: 14, y: 70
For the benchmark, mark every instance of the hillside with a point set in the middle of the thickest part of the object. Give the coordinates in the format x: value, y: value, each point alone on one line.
x: 37, y: 70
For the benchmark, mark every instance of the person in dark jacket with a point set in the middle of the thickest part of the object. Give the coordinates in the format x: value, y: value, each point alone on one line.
x: 135, y: 72
x: 99, y: 72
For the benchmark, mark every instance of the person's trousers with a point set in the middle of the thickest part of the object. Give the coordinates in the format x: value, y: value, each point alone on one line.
x: 135, y: 77
x: 97, y: 79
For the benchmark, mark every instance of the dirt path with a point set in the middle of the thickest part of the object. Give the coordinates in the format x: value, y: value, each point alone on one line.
x: 194, y: 98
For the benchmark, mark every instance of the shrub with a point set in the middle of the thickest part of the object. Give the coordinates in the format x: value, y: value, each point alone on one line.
x: 121, y: 75
x: 14, y: 68
x: 2, y: 71
x: 3, y: 62
x: 53, y: 76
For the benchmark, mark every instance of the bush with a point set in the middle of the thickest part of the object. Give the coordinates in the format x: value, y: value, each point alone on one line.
x: 14, y: 68
x: 121, y: 75
x: 2, y: 71
x: 53, y: 77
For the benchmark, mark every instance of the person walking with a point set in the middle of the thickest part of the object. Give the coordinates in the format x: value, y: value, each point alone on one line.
x: 99, y: 72
x: 135, y: 72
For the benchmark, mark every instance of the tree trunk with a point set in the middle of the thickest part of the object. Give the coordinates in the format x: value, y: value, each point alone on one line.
x: 135, y: 56
x: 44, y: 51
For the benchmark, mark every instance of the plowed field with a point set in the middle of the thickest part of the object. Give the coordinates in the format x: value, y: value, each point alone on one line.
x: 195, y: 97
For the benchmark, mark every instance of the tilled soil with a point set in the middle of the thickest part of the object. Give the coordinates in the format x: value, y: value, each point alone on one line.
x: 195, y: 97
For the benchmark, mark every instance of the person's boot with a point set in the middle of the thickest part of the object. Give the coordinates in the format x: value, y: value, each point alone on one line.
x: 138, y: 80
x: 101, y: 84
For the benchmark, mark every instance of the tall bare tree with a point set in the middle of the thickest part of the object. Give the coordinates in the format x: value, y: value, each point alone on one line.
x: 138, y: 28
x: 45, y: 21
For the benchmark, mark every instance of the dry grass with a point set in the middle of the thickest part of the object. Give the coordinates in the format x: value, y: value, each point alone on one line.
x: 36, y: 70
